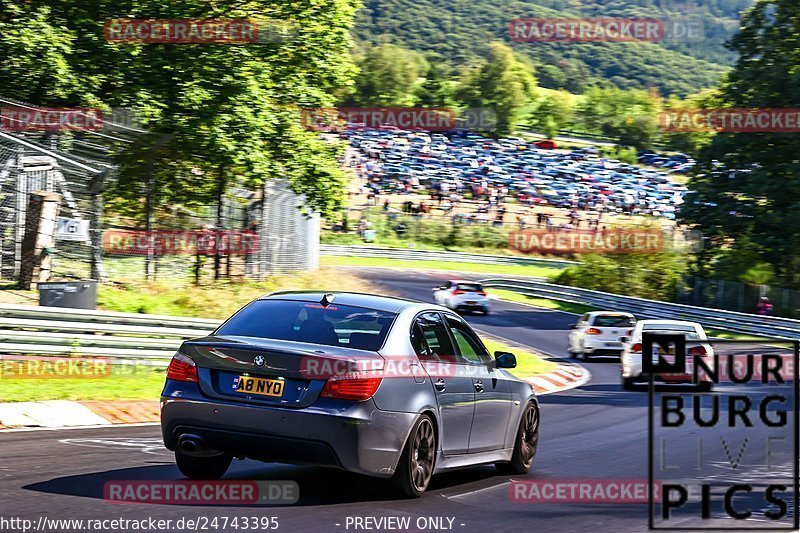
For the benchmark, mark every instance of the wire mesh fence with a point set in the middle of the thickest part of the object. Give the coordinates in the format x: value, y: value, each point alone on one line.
x: 252, y: 233
x: 736, y: 296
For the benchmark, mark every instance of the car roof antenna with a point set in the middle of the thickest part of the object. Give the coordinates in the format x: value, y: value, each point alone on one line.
x: 326, y: 300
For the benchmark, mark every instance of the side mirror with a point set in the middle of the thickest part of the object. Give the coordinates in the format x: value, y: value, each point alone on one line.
x: 505, y: 360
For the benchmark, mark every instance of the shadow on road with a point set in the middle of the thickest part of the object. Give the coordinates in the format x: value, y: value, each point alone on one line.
x: 318, y: 486
x: 611, y: 394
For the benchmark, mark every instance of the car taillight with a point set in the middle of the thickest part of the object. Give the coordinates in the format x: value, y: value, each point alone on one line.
x: 482, y: 293
x: 182, y: 368
x: 593, y: 331
x: 350, y: 387
x: 457, y: 292
x: 697, y: 350
x: 636, y: 347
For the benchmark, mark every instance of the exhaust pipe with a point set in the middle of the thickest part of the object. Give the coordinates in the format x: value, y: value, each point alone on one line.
x: 194, y: 445
x: 190, y: 444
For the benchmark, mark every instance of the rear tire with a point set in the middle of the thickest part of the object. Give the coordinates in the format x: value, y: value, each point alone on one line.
x: 485, y: 311
x: 527, y: 442
x: 415, y: 468
x: 210, y: 467
x: 628, y: 383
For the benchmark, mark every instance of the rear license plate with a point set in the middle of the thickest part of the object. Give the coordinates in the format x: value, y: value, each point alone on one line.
x: 260, y: 386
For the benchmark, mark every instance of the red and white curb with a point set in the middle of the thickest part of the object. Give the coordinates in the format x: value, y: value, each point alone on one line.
x: 565, y: 377
x: 49, y: 414
x: 65, y: 414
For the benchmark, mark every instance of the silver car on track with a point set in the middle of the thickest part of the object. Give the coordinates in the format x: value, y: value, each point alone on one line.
x: 379, y: 386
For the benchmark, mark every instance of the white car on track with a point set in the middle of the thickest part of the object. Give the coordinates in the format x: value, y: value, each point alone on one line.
x: 461, y: 295
x: 696, y: 346
x: 600, y: 333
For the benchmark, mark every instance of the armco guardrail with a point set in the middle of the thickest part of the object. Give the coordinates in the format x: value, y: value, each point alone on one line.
x: 80, y: 332
x: 154, y: 338
x: 411, y: 254
x: 748, y: 324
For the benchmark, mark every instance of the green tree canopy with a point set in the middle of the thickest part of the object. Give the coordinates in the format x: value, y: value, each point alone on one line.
x: 554, y: 111
x: 388, y: 77
x: 628, y: 116
x: 757, y: 194
x: 502, y: 82
x: 229, y: 112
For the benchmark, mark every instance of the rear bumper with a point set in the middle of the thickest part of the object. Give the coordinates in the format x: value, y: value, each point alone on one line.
x: 357, y: 437
x: 258, y: 446
x: 478, y: 304
x: 631, y: 365
x: 612, y: 352
x: 601, y: 347
x: 465, y: 307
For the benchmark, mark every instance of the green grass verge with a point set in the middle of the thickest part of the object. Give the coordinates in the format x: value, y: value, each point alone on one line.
x: 556, y: 305
x: 219, y: 300
x: 528, y: 364
x: 733, y: 336
x: 514, y: 270
x: 123, y: 383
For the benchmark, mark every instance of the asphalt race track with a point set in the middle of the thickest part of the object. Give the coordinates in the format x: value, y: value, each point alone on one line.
x: 597, y: 431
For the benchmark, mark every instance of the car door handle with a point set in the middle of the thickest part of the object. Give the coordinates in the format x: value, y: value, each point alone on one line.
x: 479, y: 386
x: 439, y: 385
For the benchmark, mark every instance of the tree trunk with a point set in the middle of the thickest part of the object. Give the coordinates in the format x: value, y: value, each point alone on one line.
x: 221, y: 186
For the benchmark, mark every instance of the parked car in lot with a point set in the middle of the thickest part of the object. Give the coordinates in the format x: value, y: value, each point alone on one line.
x: 546, y: 145
x: 475, y: 162
x: 460, y: 295
x: 600, y: 333
x: 696, y: 346
x: 379, y: 386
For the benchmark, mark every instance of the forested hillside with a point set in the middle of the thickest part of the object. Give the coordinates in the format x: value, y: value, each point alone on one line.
x: 461, y: 30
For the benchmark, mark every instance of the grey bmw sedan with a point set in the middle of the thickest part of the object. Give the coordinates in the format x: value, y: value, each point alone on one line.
x: 379, y: 386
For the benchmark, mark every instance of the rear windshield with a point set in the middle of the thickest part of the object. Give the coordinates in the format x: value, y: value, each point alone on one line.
x: 336, y: 325
x: 613, y: 321
x: 472, y: 287
x: 668, y: 327
x: 688, y: 331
